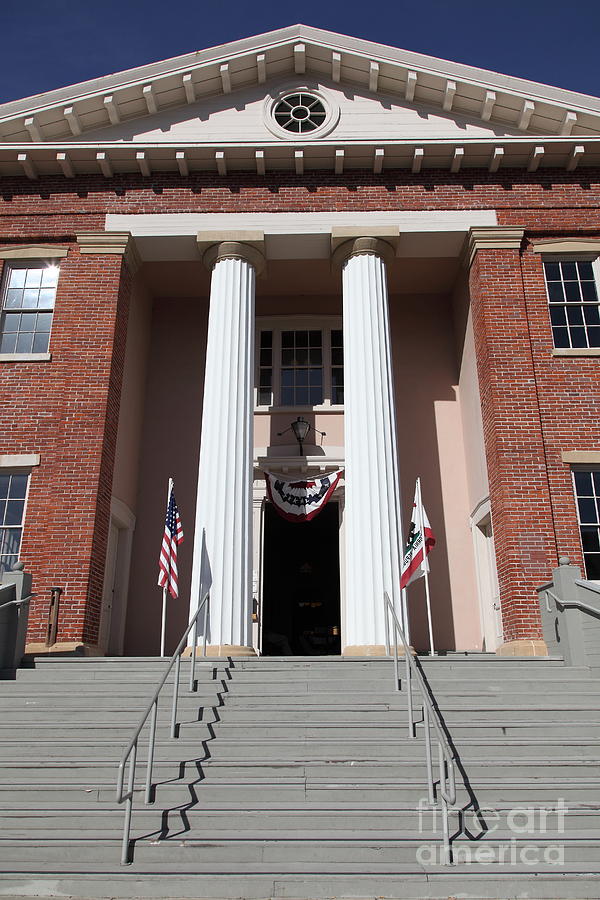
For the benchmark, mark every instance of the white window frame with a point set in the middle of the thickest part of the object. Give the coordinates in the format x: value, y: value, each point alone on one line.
x: 582, y: 467
x: 27, y: 263
x: 594, y: 258
x: 18, y: 470
x: 277, y: 324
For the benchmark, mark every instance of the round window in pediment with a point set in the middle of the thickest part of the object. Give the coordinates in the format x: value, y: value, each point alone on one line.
x: 300, y: 113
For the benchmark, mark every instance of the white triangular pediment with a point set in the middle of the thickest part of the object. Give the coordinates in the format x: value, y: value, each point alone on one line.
x: 144, y: 100
x: 246, y: 117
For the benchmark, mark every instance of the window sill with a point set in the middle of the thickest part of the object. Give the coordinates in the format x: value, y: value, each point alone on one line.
x: 576, y: 351
x: 25, y: 357
x: 289, y: 410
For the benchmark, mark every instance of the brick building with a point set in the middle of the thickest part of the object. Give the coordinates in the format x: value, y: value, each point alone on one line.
x: 403, y: 251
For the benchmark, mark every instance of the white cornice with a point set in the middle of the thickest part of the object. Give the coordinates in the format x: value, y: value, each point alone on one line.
x: 511, y: 102
x: 273, y: 157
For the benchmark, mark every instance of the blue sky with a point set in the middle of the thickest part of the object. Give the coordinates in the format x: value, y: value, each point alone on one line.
x: 51, y: 43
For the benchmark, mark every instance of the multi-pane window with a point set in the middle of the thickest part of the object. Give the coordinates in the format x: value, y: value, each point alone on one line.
x: 300, y: 366
x: 337, y: 366
x: 28, y: 296
x: 13, y: 491
x: 573, y: 300
x: 587, y: 490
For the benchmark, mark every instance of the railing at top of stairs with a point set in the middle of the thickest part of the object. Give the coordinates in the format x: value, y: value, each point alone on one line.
x: 150, y: 712
x: 446, y: 796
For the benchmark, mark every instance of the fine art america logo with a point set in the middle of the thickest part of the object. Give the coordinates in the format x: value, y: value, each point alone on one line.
x: 527, y: 836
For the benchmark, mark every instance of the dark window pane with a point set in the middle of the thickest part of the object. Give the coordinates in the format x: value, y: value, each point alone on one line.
x: 583, y: 484
x: 287, y: 377
x: 337, y: 377
x: 578, y: 337
x: 10, y: 322
x: 287, y: 357
x: 592, y: 566
x: 555, y: 291
x: 14, y: 512
x: 30, y: 299
x: 316, y: 396
x: 4, y: 482
x: 302, y: 339
x: 337, y: 354
x: 14, y: 299
x: 591, y: 315
x: 337, y: 338
x: 569, y: 271
x: 302, y: 377
x: 301, y: 356
x: 594, y: 337
x: 266, y: 339
x: 315, y: 357
x: 40, y: 342
x: 24, y: 343
x: 552, y: 271
x: 584, y: 267
x: 8, y: 343
x: 10, y: 540
x: 574, y: 315
x: 265, y: 378
x: 287, y: 396
x: 287, y: 338
x: 587, y: 511
x: 302, y: 396
x: 561, y: 337
x: 266, y: 357
x: 315, y: 377
x: 588, y: 290
x: 596, y: 478
x: 18, y: 487
x: 337, y: 395
x: 590, y: 538
x: 314, y: 338
x: 572, y: 291
x: 558, y: 315
x: 2, y: 511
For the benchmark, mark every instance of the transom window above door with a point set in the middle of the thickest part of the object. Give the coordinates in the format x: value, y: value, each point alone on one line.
x: 299, y: 363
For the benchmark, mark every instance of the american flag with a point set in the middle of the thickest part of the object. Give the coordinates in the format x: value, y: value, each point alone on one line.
x: 173, y: 535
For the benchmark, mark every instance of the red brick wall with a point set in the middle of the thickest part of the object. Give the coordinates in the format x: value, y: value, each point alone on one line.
x: 534, y: 405
x: 67, y: 410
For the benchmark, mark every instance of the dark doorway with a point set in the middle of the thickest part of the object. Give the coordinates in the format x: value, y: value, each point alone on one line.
x: 301, y: 584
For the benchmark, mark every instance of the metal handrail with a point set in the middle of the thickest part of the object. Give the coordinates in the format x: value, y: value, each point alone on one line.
x: 431, y: 717
x: 152, y: 710
x: 20, y: 602
x: 574, y: 604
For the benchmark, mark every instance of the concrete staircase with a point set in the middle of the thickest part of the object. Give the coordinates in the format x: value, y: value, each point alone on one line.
x: 295, y: 778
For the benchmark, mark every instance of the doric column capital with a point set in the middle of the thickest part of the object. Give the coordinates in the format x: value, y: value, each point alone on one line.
x: 347, y: 242
x: 246, y: 245
x: 493, y: 237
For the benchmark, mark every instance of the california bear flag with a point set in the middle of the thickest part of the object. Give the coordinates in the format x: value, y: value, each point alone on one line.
x: 415, y: 563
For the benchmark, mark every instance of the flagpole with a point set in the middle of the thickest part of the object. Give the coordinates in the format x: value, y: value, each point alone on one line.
x: 163, y: 627
x: 425, y: 566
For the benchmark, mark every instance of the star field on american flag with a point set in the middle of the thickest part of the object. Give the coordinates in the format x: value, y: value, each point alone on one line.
x: 172, y: 536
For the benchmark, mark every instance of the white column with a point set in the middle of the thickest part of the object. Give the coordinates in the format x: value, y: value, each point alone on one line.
x: 224, y: 499
x: 372, y: 513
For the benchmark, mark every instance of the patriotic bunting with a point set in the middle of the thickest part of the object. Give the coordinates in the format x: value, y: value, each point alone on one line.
x: 300, y: 501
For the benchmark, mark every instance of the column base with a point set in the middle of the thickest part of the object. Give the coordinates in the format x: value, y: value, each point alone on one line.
x: 222, y: 650
x: 73, y: 648
x: 523, y: 647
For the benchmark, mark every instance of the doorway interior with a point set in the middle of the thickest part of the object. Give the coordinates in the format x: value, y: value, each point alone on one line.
x: 301, y: 585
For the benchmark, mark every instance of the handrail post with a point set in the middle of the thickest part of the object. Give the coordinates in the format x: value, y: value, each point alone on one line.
x: 192, y: 684
x: 430, y: 792
x: 409, y: 696
x: 128, y: 807
x: 151, y: 743
x: 175, y: 695
x: 445, y: 828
